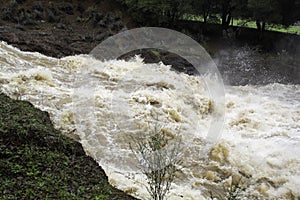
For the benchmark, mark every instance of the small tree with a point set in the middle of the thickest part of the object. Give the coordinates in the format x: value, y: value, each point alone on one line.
x: 158, y: 157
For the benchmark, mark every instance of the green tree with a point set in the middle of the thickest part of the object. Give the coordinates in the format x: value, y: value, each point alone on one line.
x: 289, y: 11
x: 226, y: 9
x: 264, y: 11
x: 175, y: 9
x: 241, y: 10
x: 157, y: 12
x: 205, y: 8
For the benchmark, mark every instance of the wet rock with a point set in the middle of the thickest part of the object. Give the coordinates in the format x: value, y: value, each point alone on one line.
x: 154, y: 56
x: 178, y: 63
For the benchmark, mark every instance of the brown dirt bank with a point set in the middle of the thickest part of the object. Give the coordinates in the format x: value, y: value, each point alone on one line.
x: 61, y: 28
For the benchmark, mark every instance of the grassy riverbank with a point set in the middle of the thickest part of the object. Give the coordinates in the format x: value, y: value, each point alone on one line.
x: 38, y: 162
x: 249, y: 24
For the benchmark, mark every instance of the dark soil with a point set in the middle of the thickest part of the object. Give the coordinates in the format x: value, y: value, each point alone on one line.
x: 60, y: 28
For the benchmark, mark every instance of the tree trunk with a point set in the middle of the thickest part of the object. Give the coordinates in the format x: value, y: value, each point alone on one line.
x: 205, y: 15
x: 258, y: 25
x: 228, y: 19
x: 226, y: 14
x: 224, y: 17
x: 261, y: 26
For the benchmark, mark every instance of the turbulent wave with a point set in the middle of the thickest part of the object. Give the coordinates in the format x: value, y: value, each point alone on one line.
x: 260, y: 144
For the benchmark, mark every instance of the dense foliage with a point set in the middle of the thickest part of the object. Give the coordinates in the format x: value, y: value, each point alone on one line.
x: 153, y: 12
x: 158, y: 12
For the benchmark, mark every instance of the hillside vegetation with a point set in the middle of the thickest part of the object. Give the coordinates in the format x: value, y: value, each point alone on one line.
x: 39, y: 162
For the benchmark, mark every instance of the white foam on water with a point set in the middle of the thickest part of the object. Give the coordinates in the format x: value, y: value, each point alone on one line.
x: 260, y: 143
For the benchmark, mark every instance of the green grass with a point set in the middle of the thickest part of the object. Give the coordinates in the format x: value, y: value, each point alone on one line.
x: 249, y: 24
x: 39, y: 162
x: 270, y: 27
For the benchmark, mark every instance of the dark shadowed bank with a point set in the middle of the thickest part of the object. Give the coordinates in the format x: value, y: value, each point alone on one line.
x: 39, y: 162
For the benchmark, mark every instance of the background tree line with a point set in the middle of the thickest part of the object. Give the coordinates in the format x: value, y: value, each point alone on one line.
x: 168, y: 12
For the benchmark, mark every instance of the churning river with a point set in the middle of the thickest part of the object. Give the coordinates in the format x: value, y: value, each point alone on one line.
x: 259, y: 146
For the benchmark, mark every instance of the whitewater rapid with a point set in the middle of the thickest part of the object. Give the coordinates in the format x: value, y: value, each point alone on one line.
x: 260, y: 144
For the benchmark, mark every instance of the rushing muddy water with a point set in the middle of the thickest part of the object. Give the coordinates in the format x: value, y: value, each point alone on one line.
x: 260, y: 143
